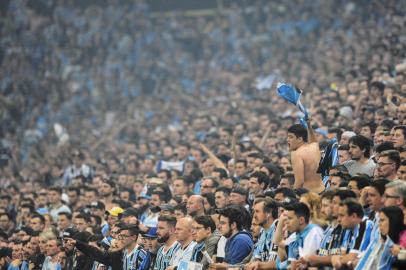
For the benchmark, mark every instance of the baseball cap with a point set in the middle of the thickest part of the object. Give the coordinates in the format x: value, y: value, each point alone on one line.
x: 152, y: 233
x: 167, y: 207
x: 97, y: 205
x: 130, y: 212
x: 115, y: 211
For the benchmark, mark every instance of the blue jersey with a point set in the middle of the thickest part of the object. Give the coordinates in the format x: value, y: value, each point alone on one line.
x: 265, y: 250
x: 133, y: 260
x: 358, y: 239
x: 163, y: 258
x: 377, y: 256
x: 332, y: 241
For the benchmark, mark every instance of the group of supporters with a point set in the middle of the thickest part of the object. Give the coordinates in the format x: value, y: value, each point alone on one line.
x: 136, y: 140
x: 249, y: 214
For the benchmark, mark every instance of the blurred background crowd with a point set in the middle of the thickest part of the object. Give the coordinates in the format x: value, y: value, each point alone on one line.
x: 105, y: 103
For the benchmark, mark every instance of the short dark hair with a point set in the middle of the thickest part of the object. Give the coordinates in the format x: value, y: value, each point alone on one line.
x: 206, y: 221
x: 132, y: 229
x: 82, y: 216
x: 300, y: 209
x: 224, y: 189
x: 384, y: 146
x: 271, y: 206
x: 344, y: 147
x: 261, y: 177
x: 287, y: 192
x: 402, y: 128
x: 41, y: 218
x: 170, y: 220
x: 235, y: 213
x: 362, y: 180
x: 363, y: 143
x: 393, y: 155
x: 344, y: 194
x: 379, y: 185
x: 66, y: 214
x: 290, y: 176
x: 353, y: 207
x: 57, y: 189
x: 222, y: 172
x: 181, y: 207
x: 299, y: 131
x: 241, y: 160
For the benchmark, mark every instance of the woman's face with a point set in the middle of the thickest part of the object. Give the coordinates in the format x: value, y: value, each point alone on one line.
x: 383, y: 224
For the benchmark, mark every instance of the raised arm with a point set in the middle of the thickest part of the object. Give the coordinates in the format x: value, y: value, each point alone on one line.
x: 217, y: 162
x: 311, y: 135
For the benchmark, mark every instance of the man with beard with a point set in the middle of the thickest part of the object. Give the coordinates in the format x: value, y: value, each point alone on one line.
x: 360, y: 163
x: 265, y: 214
x: 167, y: 237
x: 107, y: 191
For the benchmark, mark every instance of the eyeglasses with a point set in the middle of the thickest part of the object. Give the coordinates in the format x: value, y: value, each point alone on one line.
x: 390, y: 196
x: 197, y: 228
x: 122, y: 237
x: 381, y: 164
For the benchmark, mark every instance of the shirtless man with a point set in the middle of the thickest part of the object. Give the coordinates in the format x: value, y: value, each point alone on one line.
x: 305, y: 158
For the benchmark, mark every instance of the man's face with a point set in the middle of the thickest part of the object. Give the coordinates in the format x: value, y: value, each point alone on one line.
x: 344, y: 219
x: 207, y: 186
x: 164, y: 231
x: 54, y: 197
x: 293, y: 141
x: 326, y: 207
x: 151, y: 245
x: 343, y: 156
x: 398, y: 138
x: 401, y: 174
x: 90, y: 196
x: 385, y: 167
x: 293, y: 222
x: 352, y: 185
x: 155, y: 200
x: 391, y: 198
x: 260, y: 217
x: 284, y: 183
x: 63, y: 222
x: 254, y: 186
x: 80, y: 224
x: 237, y: 198
x: 105, y: 189
x: 336, y: 204
x: 355, y: 152
x: 221, y: 199
x: 240, y: 168
x: 224, y: 227
x: 194, y: 205
x: 111, y: 220
x: 52, y: 248
x: 4, y: 223
x: 179, y: 187
x: 374, y: 199
x: 199, y: 233
x: 73, y: 196
x: 335, y: 181
x: 245, y: 183
x: 36, y: 225
x: 126, y: 238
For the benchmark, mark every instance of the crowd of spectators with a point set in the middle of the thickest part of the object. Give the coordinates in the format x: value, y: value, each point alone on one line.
x: 137, y: 139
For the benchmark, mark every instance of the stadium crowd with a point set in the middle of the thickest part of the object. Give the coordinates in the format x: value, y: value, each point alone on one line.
x: 133, y: 139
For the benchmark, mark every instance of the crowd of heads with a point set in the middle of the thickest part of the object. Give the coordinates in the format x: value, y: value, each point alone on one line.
x: 116, y: 120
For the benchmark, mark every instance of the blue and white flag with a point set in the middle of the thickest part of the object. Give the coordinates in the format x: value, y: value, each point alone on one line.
x: 292, y: 95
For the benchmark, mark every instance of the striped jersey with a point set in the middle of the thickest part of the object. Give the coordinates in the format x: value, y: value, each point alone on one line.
x: 133, y: 260
x: 265, y: 250
x: 332, y: 240
x: 164, y: 257
x: 358, y: 239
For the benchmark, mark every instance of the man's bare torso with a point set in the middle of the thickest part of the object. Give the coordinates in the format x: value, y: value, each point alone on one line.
x: 310, y: 155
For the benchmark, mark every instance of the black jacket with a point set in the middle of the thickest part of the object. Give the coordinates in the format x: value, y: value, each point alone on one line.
x: 113, y: 259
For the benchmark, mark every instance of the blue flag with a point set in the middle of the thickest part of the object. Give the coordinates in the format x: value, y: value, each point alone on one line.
x: 292, y: 95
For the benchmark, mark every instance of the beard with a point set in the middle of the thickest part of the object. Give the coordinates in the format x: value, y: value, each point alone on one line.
x: 163, y: 239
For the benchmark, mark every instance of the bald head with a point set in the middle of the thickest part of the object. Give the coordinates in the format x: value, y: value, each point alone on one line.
x: 183, y: 230
x: 195, y: 206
